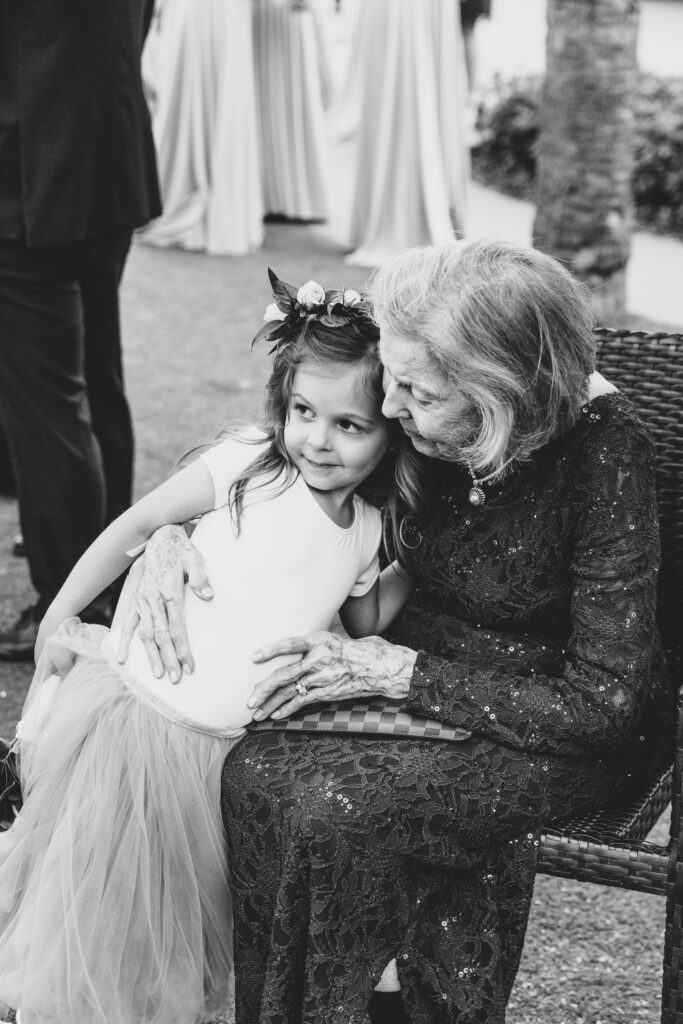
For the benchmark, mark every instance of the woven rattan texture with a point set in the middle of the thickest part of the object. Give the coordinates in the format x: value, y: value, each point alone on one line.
x: 608, y: 848
x: 649, y: 369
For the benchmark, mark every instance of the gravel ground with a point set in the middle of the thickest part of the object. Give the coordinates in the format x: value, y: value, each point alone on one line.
x: 593, y: 955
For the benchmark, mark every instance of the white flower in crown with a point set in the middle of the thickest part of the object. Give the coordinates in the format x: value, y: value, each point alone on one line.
x: 310, y: 295
x: 352, y: 298
x: 273, y: 312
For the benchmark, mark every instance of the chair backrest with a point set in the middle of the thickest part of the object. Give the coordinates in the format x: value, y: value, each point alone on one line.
x: 649, y: 369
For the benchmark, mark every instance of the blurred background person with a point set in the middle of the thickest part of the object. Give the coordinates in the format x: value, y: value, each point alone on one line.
x: 77, y: 174
x: 236, y: 89
x: 412, y: 163
x: 199, y: 71
x: 470, y: 12
x: 291, y: 81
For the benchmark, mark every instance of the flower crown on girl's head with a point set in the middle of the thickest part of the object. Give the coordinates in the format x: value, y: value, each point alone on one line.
x: 283, y: 317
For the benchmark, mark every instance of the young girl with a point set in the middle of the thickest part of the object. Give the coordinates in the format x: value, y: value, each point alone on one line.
x: 114, y: 898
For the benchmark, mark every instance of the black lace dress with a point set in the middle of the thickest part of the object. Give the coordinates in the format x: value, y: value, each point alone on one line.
x: 534, y: 615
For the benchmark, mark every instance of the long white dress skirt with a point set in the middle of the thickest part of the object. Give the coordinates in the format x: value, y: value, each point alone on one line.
x: 114, y: 897
x: 290, y: 95
x: 412, y: 166
x: 199, y: 68
x: 344, y: 109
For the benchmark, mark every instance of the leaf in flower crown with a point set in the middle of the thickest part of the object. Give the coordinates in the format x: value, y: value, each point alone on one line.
x: 274, y: 330
x: 283, y: 293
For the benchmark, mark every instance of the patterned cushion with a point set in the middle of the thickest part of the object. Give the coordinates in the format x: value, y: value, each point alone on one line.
x: 376, y: 717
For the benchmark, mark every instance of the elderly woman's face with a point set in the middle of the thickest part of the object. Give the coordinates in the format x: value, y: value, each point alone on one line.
x: 436, y: 417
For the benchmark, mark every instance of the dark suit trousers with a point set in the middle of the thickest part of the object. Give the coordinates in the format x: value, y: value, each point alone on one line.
x: 63, y: 409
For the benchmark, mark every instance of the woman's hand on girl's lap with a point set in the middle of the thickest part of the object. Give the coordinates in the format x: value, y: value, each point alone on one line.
x: 157, y: 601
x: 331, y: 668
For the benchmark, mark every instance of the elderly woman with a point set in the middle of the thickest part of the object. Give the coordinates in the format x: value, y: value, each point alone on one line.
x: 531, y: 626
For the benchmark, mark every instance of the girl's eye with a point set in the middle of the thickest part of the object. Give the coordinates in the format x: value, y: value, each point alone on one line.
x: 348, y: 427
x: 302, y: 410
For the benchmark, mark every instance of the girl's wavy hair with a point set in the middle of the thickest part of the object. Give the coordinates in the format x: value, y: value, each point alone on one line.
x: 511, y: 328
x: 398, y: 483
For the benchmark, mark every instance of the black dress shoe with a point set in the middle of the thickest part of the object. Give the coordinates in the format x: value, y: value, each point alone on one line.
x: 19, y: 638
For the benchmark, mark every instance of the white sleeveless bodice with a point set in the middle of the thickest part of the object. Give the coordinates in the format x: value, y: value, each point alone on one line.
x: 285, y: 573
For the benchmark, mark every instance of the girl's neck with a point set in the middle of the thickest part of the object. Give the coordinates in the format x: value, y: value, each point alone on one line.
x: 336, y: 505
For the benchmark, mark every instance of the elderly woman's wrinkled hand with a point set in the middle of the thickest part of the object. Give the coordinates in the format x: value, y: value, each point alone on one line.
x: 331, y: 668
x: 157, y: 601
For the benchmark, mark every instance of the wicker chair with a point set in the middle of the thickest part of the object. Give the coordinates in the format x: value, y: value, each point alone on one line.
x: 609, y: 847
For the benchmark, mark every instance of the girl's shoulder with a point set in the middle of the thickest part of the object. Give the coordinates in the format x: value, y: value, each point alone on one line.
x: 243, y: 442
x: 367, y: 515
x: 243, y: 434
x: 232, y: 453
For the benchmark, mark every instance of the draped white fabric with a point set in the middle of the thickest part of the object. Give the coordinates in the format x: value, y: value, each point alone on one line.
x: 412, y: 163
x: 290, y: 73
x: 241, y: 131
x: 343, y: 113
x: 199, y: 65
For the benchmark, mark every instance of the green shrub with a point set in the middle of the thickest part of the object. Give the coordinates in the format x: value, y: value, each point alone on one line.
x: 508, y: 125
x: 658, y: 172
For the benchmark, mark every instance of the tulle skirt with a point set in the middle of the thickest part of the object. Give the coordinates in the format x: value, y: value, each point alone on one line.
x: 114, y: 896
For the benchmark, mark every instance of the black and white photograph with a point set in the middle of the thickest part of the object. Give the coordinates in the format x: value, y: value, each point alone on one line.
x: 341, y: 511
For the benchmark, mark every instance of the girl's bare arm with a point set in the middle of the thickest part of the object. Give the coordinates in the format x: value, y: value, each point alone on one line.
x: 183, y: 496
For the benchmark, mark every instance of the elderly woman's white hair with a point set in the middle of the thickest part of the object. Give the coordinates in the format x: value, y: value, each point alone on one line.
x: 510, y: 326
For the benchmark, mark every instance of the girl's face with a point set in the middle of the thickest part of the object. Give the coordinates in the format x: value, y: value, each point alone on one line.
x: 335, y: 432
x: 437, y: 418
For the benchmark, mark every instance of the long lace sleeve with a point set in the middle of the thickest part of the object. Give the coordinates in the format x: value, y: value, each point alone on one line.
x: 588, y: 692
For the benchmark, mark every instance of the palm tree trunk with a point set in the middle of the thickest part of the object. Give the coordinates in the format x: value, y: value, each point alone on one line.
x: 585, y: 148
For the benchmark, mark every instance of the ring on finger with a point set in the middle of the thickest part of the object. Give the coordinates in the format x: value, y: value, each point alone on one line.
x: 300, y: 688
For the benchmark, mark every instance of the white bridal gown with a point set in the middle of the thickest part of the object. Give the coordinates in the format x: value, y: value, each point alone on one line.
x: 290, y: 80
x: 199, y: 67
x: 412, y: 165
